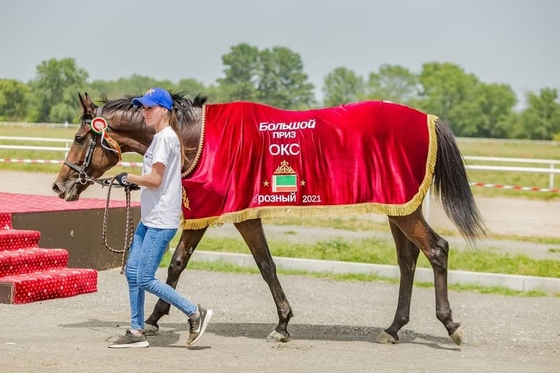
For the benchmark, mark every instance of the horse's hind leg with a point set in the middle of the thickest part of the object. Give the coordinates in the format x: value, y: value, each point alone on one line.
x: 253, y: 234
x: 436, y: 249
x: 185, y: 248
x: 407, y: 255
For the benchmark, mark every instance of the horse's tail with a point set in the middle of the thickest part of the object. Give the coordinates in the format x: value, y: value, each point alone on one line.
x: 451, y: 184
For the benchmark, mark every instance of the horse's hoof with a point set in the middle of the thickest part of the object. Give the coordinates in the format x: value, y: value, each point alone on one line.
x: 275, y: 337
x: 457, y: 335
x: 150, y: 329
x: 386, y: 338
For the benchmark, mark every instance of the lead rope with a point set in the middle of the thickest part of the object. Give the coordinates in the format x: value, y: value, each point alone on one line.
x: 129, y: 229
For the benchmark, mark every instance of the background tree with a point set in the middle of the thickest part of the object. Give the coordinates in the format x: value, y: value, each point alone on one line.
x: 191, y: 86
x: 342, y: 86
x: 276, y: 77
x: 131, y: 86
x: 55, y: 85
x: 241, y: 73
x: 392, y: 83
x: 281, y: 80
x: 495, y: 103
x: 448, y: 92
x: 14, y: 100
x: 541, y: 119
x: 271, y: 76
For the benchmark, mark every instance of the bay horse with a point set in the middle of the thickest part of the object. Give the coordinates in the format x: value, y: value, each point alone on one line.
x: 89, y: 157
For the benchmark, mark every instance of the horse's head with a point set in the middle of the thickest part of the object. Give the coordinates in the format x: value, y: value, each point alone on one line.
x: 89, y: 157
x: 98, y: 143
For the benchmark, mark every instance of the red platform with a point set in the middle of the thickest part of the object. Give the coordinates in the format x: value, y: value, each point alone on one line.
x: 20, y: 203
x: 75, y: 226
x: 30, y: 273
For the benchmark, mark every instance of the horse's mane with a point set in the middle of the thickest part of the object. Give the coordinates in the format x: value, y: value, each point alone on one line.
x: 180, y: 103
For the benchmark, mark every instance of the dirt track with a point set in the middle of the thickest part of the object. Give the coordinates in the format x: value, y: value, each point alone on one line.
x: 334, y: 329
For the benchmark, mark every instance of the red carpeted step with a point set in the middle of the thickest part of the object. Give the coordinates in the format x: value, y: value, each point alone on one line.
x: 15, y: 239
x: 5, y: 220
x: 16, y: 262
x: 55, y: 283
x: 29, y: 273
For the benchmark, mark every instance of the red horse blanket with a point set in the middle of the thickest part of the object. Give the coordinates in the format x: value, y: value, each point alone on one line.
x: 258, y: 161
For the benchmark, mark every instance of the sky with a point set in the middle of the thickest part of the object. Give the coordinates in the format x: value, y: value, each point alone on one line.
x: 516, y: 42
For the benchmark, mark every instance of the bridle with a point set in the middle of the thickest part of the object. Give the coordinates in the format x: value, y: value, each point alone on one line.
x: 98, y: 128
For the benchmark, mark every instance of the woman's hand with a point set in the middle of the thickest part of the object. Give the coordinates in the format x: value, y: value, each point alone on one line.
x: 122, y: 179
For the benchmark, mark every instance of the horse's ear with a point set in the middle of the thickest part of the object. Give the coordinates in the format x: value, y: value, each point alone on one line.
x: 86, y: 103
x: 82, y: 103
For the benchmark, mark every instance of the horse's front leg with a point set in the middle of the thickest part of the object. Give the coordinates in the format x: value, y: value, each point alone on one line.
x: 253, y: 234
x: 185, y: 248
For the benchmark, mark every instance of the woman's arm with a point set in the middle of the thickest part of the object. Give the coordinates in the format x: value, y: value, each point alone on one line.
x: 151, y: 180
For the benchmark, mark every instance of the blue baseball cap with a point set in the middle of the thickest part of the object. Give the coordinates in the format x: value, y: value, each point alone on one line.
x: 155, y: 97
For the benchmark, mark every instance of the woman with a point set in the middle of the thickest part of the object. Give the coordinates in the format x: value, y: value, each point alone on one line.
x: 160, y: 206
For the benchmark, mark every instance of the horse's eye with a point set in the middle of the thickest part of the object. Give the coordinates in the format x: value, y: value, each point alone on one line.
x: 79, y: 139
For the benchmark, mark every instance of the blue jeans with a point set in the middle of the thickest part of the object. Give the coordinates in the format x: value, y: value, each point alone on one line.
x: 145, y: 255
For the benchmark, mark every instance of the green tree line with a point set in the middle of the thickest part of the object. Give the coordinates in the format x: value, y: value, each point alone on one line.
x: 275, y: 76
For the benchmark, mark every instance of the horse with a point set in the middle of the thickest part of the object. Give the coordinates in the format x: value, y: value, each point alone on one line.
x: 91, y: 155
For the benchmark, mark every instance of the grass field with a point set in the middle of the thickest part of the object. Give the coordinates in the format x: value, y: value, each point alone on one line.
x: 380, y: 252
x: 469, y: 147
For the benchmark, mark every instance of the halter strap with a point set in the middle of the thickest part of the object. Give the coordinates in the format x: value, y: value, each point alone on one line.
x: 83, y: 176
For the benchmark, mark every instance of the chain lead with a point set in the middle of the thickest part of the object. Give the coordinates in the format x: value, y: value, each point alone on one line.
x: 129, y: 229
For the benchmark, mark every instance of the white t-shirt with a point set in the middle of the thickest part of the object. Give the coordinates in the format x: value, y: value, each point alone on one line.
x: 161, y: 207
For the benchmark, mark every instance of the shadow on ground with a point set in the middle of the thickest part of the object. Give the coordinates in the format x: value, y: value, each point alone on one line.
x: 169, y: 335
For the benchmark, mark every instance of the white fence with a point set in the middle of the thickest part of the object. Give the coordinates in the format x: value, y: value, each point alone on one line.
x: 64, y: 149
x: 551, y: 170
x: 36, y: 125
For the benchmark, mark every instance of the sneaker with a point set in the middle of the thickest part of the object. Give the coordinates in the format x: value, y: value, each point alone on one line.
x: 130, y: 340
x: 198, y: 326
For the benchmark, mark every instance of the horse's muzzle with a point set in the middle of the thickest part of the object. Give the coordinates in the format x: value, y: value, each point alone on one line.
x: 65, y: 193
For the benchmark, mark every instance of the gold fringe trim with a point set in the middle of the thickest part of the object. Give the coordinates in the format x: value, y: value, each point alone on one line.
x: 337, y: 210
x: 200, y: 144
